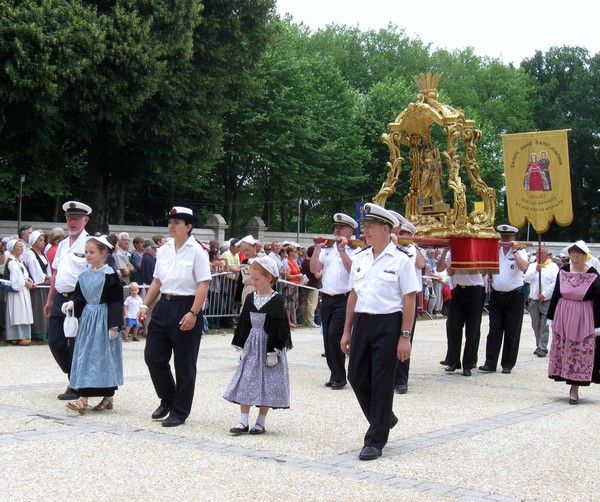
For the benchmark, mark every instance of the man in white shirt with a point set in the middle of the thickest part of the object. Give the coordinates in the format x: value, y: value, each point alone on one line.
x: 539, y: 300
x: 335, y: 261
x: 507, y: 304
x: 466, y: 308
x: 408, y: 230
x: 68, y: 263
x: 379, y: 319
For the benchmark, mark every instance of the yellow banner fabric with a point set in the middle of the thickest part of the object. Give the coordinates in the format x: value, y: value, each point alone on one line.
x: 538, y: 183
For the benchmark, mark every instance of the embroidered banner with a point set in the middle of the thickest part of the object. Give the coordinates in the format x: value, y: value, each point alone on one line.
x: 538, y: 182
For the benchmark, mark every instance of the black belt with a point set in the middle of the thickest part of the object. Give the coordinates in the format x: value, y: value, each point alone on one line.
x: 511, y: 292
x: 169, y: 297
x: 469, y: 286
x: 66, y: 295
x: 336, y: 296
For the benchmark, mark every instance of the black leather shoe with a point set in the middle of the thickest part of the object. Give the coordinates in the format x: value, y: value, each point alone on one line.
x: 329, y: 384
x: 506, y: 371
x: 172, y: 421
x: 487, y: 369
x: 444, y: 363
x: 467, y: 372
x: 542, y: 354
x: 369, y: 453
x: 401, y: 389
x: 452, y: 367
x: 573, y: 401
x: 161, y: 412
x: 237, y: 430
x: 257, y: 429
x: 68, y: 395
x: 338, y: 385
x: 394, y: 422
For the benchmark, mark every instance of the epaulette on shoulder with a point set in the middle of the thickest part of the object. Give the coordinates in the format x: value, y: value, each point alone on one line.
x: 404, y: 251
x: 363, y: 249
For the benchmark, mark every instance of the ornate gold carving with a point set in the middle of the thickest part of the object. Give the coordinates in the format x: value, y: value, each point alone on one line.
x: 424, y: 204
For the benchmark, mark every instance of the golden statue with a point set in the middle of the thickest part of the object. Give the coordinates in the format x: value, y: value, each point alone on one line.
x: 424, y: 203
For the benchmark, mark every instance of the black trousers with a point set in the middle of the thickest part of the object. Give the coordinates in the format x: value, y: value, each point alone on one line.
x: 61, y: 347
x: 466, y: 307
x: 371, y: 370
x: 506, y: 321
x: 333, y: 318
x: 165, y: 339
x: 404, y: 367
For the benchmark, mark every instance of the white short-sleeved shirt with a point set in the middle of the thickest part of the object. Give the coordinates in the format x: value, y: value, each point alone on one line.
x: 549, y: 275
x: 69, y: 262
x: 464, y: 279
x: 335, y: 276
x: 412, y: 251
x: 133, y: 305
x: 381, y: 283
x: 181, y: 272
x: 510, y: 277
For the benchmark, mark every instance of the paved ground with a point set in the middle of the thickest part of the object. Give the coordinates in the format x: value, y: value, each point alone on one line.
x: 487, y: 437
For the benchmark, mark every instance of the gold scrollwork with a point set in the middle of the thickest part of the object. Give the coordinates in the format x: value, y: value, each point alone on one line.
x: 424, y: 204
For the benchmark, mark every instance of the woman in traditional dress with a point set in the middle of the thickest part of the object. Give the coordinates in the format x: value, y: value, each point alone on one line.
x: 263, y: 335
x: 39, y: 269
x: 97, y: 368
x: 574, y: 316
x: 19, y: 316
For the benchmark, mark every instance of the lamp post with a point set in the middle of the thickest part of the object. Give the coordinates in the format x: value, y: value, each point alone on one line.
x: 20, y: 201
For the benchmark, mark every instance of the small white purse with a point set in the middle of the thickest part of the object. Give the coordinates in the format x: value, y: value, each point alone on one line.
x: 70, y: 325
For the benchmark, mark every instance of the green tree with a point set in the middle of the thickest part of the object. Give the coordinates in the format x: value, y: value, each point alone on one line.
x: 568, y: 82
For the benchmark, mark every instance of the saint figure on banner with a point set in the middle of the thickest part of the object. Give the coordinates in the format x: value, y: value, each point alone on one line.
x: 536, y: 178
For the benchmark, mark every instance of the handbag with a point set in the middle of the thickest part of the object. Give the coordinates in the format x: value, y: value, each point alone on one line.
x: 70, y: 325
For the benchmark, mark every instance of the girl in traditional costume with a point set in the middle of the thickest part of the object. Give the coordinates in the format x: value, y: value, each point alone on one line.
x: 97, y: 368
x: 263, y: 336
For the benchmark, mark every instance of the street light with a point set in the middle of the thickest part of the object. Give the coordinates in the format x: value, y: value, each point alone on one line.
x: 20, y: 201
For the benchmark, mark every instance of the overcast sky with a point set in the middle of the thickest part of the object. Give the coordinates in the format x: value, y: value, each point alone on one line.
x: 510, y: 30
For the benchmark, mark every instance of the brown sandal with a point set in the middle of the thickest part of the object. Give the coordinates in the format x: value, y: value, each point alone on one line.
x: 105, y: 404
x: 79, y: 406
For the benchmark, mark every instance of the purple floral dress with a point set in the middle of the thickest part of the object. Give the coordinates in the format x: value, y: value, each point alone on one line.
x: 574, y: 312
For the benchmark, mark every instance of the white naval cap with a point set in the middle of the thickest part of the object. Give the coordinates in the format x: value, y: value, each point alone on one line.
x: 507, y: 229
x: 407, y: 226
x: 248, y: 240
x: 344, y: 219
x: 75, y: 208
x: 182, y: 213
x: 374, y: 212
x: 398, y: 216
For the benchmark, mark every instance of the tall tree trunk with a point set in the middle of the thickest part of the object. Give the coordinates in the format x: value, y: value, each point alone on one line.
x: 97, y: 167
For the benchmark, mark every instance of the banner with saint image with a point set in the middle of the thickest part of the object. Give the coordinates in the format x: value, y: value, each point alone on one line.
x: 538, y: 182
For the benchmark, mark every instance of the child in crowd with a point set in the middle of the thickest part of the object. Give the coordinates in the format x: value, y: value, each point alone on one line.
x: 130, y: 310
x: 97, y: 368
x: 263, y: 336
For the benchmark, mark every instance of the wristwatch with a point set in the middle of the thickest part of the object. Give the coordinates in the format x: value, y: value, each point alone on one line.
x: 195, y: 314
x: 406, y: 334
